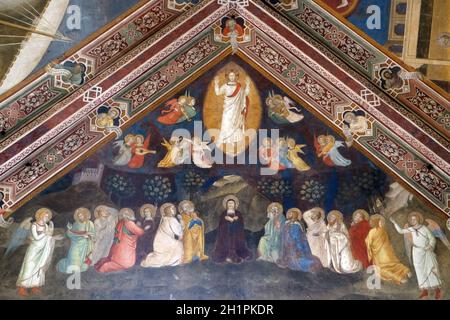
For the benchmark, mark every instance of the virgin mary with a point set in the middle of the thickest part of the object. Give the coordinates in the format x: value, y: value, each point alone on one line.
x: 235, y: 108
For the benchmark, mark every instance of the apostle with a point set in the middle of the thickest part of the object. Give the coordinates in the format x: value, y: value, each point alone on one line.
x: 39, y: 254
x: 81, y: 235
x: 269, y: 247
x: 168, y: 244
x: 296, y: 253
x: 230, y: 242
x: 316, y: 234
x: 122, y: 255
x: 193, y: 233
x: 381, y: 253
x: 341, y: 255
x: 150, y: 225
x: 358, y: 232
x: 424, y: 259
x: 105, y: 224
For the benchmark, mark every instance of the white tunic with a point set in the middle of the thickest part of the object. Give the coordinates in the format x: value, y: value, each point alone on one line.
x: 316, y: 235
x: 341, y: 254
x: 167, y: 251
x: 104, y: 236
x: 233, y: 118
x: 38, y: 257
x: 424, y: 258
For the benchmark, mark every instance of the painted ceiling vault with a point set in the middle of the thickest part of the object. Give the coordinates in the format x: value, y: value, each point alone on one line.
x: 49, y: 124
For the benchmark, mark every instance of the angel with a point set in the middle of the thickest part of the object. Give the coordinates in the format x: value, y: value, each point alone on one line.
x: 283, y: 110
x: 199, y: 153
x: 39, y: 253
x: 293, y: 150
x: 420, y: 244
x: 138, y: 150
x: 123, y: 156
x: 354, y: 122
x: 269, y: 153
x: 178, y: 110
x: 178, y: 152
x: 5, y: 223
x: 109, y: 119
x: 327, y: 149
x: 70, y: 72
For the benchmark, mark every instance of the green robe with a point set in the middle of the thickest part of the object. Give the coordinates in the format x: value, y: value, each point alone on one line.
x: 80, y: 248
x: 269, y: 248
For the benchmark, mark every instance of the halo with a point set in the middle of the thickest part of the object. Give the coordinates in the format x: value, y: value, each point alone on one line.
x: 164, y: 207
x: 145, y: 206
x: 298, y: 211
x: 337, y: 213
x: 275, y: 204
x: 184, y: 202
x: 41, y: 212
x: 115, y: 112
x: 375, y: 220
x: 84, y: 211
x: 128, y: 213
x: 230, y: 197
x: 97, y: 210
x: 309, y: 212
x: 418, y: 215
x: 363, y: 212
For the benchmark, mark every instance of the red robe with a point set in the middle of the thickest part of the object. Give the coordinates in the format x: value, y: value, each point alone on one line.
x: 137, y: 161
x: 123, y: 251
x: 171, y: 115
x: 358, y: 234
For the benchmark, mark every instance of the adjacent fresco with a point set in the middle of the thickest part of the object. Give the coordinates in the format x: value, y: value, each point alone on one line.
x: 229, y: 189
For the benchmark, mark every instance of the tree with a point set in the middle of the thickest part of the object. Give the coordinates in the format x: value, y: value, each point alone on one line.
x: 274, y: 189
x: 157, y: 189
x: 120, y: 186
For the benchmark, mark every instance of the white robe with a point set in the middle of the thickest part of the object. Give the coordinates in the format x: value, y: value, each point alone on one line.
x: 167, y: 251
x: 316, y: 234
x: 341, y: 255
x: 38, y: 257
x: 104, y: 236
x: 425, y: 263
x: 233, y: 119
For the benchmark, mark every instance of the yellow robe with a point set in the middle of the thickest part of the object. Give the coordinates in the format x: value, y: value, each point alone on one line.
x: 193, y: 240
x: 298, y: 163
x: 381, y: 254
x: 167, y: 162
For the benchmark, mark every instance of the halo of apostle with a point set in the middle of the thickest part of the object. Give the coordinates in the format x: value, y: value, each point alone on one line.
x: 171, y: 235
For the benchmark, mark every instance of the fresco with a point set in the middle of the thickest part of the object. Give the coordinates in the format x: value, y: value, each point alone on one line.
x: 228, y: 189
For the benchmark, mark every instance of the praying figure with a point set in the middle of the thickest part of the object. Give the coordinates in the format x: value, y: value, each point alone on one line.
x: 381, y: 253
x: 235, y: 108
x: 317, y: 233
x: 358, y: 232
x: 168, y: 245
x: 341, y: 255
x: 230, y: 244
x: 150, y: 224
x: 105, y: 224
x: 193, y: 233
x: 81, y: 235
x: 269, y: 247
x: 422, y: 244
x: 296, y: 253
x: 122, y: 255
x: 39, y: 254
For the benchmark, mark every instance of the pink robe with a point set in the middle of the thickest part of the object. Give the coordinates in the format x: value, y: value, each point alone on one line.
x: 123, y: 251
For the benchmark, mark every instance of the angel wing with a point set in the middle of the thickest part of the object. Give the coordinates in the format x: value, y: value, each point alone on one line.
x: 437, y: 232
x: 290, y: 104
x: 124, y: 154
x: 317, y: 146
x: 5, y: 223
x: 19, y: 237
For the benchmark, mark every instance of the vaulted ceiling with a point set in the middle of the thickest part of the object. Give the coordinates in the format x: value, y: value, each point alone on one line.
x: 49, y: 125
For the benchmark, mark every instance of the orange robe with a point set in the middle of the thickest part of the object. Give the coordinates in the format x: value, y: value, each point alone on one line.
x: 381, y: 254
